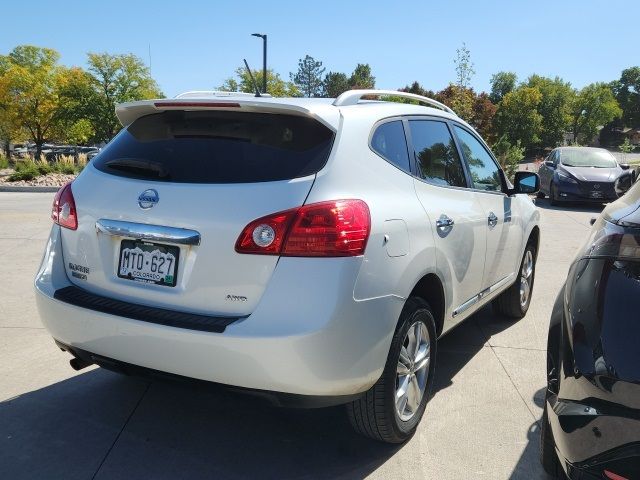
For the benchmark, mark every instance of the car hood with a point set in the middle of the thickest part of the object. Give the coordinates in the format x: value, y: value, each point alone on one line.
x: 592, y: 174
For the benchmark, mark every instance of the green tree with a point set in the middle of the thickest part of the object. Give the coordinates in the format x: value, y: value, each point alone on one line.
x: 29, y: 93
x: 508, y: 155
x: 517, y: 118
x: 556, y: 100
x: 627, y: 92
x: 117, y: 79
x: 594, y: 106
x: 484, y: 112
x: 626, y: 147
x: 335, y: 83
x: 276, y: 86
x: 464, y: 67
x: 501, y: 84
x: 418, y: 89
x: 361, y: 77
x: 459, y: 99
x: 78, y: 101
x: 308, y: 78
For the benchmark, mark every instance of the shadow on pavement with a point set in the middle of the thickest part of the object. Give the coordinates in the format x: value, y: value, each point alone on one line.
x: 528, y: 467
x: 169, y: 430
x: 458, y: 347
x: 123, y: 427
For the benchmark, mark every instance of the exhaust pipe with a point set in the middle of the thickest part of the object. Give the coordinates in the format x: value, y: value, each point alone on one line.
x: 78, y: 363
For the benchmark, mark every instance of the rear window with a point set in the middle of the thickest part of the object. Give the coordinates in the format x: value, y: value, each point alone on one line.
x: 217, y: 147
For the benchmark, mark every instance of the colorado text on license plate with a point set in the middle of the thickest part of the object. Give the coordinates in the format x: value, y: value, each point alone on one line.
x: 148, y: 263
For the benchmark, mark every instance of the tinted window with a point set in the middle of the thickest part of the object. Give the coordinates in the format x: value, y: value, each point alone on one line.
x: 485, y: 174
x: 389, y: 142
x: 217, y: 147
x: 436, y: 154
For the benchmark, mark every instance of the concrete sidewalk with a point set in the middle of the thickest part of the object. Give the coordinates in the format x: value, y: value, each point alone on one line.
x: 59, y: 424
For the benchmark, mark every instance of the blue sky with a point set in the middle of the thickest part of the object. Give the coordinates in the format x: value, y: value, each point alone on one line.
x: 196, y: 45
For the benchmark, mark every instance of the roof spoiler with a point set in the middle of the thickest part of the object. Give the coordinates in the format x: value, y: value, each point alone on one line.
x: 129, y: 112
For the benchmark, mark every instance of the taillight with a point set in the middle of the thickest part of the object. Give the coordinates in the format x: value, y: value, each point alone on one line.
x: 610, y: 240
x: 339, y: 228
x: 63, y: 211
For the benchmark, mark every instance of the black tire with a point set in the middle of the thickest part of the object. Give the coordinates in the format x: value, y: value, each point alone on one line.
x: 508, y: 302
x: 548, y: 456
x: 553, y: 195
x: 374, y: 414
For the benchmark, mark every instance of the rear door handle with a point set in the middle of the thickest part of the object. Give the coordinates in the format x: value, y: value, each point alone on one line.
x: 444, y: 222
x: 492, y: 220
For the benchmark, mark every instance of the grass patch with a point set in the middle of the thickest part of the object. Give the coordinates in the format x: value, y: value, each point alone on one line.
x: 4, y: 162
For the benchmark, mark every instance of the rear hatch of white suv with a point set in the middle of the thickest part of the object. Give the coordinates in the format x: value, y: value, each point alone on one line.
x: 160, y: 209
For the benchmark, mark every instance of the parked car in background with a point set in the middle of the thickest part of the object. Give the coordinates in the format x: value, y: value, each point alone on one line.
x: 579, y: 174
x: 591, y: 423
x: 308, y: 250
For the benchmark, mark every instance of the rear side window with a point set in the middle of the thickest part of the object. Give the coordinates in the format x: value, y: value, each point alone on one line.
x: 217, y: 147
x: 389, y: 142
x: 437, y: 157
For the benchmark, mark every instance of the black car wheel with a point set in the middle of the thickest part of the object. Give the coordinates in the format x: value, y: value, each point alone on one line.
x: 391, y: 410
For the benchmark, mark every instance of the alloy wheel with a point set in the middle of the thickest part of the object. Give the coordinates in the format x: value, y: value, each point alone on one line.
x: 526, y: 277
x: 412, y: 371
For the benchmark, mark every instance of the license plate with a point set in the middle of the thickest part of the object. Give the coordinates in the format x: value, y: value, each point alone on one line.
x: 148, y: 262
x: 596, y: 194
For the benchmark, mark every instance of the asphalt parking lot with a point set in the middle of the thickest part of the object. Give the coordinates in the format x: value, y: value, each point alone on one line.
x: 57, y: 423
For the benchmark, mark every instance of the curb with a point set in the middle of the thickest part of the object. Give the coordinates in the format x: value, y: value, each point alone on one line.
x: 30, y: 189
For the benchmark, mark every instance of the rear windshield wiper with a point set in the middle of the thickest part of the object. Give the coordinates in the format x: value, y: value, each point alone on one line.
x: 139, y: 166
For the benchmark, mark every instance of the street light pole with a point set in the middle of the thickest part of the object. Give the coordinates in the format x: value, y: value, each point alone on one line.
x: 264, y: 60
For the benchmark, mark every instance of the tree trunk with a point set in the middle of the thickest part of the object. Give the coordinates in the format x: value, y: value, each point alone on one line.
x: 7, y: 147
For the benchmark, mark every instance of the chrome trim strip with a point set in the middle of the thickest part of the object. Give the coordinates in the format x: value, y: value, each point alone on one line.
x: 498, y: 284
x: 143, y: 231
x: 476, y: 298
x: 465, y: 306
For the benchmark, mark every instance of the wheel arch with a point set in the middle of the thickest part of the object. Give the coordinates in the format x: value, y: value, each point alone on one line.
x: 534, y: 239
x: 431, y: 290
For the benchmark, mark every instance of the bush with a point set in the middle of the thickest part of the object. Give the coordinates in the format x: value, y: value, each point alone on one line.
x: 4, y: 162
x: 27, y: 170
x: 508, y: 155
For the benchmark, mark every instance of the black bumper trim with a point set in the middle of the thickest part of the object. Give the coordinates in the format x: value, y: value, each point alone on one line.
x: 278, y: 399
x: 170, y: 318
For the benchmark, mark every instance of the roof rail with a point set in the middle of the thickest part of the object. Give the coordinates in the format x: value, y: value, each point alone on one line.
x: 213, y: 93
x: 352, y: 97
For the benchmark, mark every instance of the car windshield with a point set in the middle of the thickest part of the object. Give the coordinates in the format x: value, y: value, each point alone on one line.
x: 587, y: 158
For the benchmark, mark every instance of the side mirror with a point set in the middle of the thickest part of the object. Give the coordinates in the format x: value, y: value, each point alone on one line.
x: 624, y: 166
x: 526, y: 182
x: 550, y: 164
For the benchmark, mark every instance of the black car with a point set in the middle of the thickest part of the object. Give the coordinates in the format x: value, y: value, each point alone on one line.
x: 591, y: 423
x: 581, y: 174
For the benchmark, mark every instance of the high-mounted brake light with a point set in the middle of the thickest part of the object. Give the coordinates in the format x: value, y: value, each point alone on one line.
x: 63, y: 211
x: 338, y: 228
x: 197, y: 104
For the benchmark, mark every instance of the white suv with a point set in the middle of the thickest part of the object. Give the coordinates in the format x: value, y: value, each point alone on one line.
x: 307, y: 250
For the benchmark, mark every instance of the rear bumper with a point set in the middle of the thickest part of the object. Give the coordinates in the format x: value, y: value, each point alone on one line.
x: 589, y: 440
x: 307, y: 336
